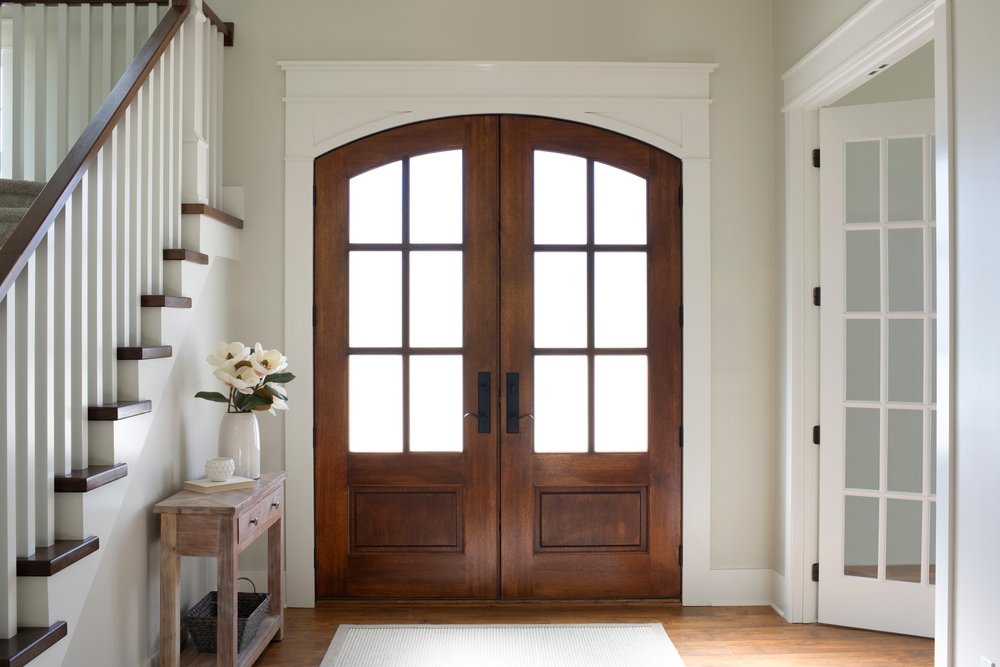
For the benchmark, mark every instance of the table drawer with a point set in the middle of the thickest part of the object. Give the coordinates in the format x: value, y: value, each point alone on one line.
x: 261, y: 516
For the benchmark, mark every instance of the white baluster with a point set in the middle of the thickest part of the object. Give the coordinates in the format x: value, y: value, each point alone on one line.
x: 170, y: 237
x: 123, y: 209
x: 111, y: 220
x: 219, y: 102
x: 35, y: 99
x: 59, y: 245
x: 136, y: 130
x: 77, y: 371
x: 130, y: 45
x: 44, y: 391
x: 209, y: 101
x: 24, y: 413
x: 8, y: 477
x: 56, y: 145
x: 81, y: 75
x: 104, y: 79
x: 194, y: 188
x: 96, y: 213
x: 12, y: 80
x: 156, y: 177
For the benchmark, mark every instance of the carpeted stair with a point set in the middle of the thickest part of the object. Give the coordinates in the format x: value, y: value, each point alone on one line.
x: 15, y: 198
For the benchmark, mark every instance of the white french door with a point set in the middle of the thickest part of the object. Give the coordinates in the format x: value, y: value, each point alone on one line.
x: 877, y: 373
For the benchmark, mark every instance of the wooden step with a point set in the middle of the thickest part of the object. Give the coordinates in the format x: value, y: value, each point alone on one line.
x: 145, y: 352
x: 88, y: 479
x: 214, y: 213
x: 111, y: 412
x: 49, y: 560
x: 29, y: 643
x: 164, y: 301
x: 185, y: 255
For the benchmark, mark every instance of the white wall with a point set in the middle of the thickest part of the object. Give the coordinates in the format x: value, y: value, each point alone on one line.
x: 976, y: 589
x: 734, y: 33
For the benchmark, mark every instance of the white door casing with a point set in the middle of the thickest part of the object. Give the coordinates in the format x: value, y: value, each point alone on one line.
x: 329, y: 104
x: 877, y: 401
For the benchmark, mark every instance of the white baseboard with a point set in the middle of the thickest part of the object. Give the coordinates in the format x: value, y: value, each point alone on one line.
x: 741, y: 587
x: 778, y: 592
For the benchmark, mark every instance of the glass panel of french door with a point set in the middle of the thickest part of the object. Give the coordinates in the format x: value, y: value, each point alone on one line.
x: 405, y: 287
x: 877, y: 492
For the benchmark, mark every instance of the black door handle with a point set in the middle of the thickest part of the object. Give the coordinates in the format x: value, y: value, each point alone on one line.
x: 513, y: 402
x: 483, y: 416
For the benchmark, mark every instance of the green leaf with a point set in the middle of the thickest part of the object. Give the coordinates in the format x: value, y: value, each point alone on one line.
x: 250, y: 401
x: 274, y: 392
x: 212, y: 396
x: 280, y: 378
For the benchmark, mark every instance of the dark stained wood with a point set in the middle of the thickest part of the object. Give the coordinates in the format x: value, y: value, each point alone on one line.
x: 214, y: 213
x: 471, y: 572
x: 406, y: 519
x: 88, y: 479
x: 596, y: 518
x: 704, y: 636
x: 78, y: 3
x: 590, y: 572
x: 47, y: 561
x: 18, y: 249
x: 228, y: 30
x: 164, y: 301
x: 118, y: 411
x: 145, y: 352
x: 29, y: 643
x: 185, y: 255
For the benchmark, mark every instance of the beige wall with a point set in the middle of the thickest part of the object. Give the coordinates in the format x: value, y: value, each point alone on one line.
x: 734, y: 33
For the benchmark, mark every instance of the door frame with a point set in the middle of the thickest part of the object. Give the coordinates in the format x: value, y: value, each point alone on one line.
x: 329, y: 104
x: 883, y: 31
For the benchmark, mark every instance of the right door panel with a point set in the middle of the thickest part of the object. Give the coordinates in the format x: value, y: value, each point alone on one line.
x: 591, y: 347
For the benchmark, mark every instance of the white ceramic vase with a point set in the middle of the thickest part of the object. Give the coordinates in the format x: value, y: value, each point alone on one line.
x: 239, y: 439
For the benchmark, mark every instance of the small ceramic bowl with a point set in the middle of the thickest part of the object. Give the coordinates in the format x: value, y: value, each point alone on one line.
x: 219, y: 469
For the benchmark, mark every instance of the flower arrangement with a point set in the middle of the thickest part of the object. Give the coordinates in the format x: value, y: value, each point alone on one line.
x: 254, y: 376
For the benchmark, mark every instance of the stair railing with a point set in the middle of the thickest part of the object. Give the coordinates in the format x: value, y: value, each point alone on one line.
x: 73, y: 271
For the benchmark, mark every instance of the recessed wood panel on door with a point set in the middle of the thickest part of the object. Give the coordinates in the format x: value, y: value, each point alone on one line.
x: 498, y: 363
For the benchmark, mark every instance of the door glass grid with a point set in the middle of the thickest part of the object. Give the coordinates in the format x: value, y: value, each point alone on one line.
x: 591, y: 378
x: 889, y: 338
x: 405, y: 296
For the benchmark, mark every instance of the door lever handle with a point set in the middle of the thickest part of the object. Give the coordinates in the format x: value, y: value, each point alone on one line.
x: 514, y: 415
x: 483, y: 415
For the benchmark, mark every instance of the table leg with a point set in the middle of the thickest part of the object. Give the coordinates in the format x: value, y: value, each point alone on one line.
x: 170, y: 597
x: 227, y: 602
x: 275, y: 553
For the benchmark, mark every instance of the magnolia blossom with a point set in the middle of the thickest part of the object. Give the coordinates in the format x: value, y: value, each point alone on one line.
x: 277, y: 403
x: 242, y: 379
x: 267, y: 363
x: 229, y: 354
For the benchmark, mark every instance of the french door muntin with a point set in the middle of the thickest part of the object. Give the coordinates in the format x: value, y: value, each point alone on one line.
x: 412, y: 510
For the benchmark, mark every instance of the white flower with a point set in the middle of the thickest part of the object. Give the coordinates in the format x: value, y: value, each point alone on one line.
x: 242, y: 379
x: 265, y: 363
x: 229, y: 354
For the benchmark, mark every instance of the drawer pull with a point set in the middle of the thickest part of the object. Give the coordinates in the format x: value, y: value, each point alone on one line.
x: 275, y: 505
x: 254, y: 521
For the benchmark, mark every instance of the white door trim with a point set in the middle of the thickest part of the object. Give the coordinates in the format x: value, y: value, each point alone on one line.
x: 883, y: 31
x: 328, y: 104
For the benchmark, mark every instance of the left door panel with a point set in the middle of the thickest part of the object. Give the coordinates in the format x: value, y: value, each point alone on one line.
x: 406, y: 471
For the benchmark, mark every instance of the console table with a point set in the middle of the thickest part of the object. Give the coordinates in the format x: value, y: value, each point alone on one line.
x: 221, y: 525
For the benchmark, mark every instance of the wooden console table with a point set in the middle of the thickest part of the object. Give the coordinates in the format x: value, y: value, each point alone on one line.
x: 221, y: 525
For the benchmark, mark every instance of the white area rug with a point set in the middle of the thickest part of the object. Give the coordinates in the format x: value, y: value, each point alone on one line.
x: 603, y: 645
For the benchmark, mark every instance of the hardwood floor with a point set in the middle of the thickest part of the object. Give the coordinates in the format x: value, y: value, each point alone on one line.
x: 704, y: 636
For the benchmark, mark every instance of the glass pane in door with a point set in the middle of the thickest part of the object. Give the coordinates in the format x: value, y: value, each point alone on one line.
x: 375, y: 414
x: 619, y: 206
x: 375, y: 202
x: 560, y: 198
x: 561, y: 412
x: 436, y: 403
x: 436, y: 197
x: 436, y: 298
x: 621, y: 415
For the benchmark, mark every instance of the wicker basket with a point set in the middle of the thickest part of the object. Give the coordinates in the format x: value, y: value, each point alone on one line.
x: 201, y: 620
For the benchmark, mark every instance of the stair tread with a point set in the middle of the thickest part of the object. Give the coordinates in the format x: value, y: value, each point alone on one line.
x: 29, y: 643
x: 118, y: 411
x: 164, y: 301
x: 145, y: 352
x: 49, y: 560
x: 185, y: 255
x: 214, y: 213
x: 15, y: 186
x: 88, y: 479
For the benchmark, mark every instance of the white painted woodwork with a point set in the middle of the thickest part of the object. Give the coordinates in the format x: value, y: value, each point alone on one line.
x: 77, y: 300
x: 329, y: 104
x: 874, y: 603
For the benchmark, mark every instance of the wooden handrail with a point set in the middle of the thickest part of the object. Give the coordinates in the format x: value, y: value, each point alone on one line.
x: 78, y: 3
x: 228, y: 30
x: 16, y: 252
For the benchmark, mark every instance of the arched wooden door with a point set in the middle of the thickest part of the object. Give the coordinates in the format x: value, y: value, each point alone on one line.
x: 498, y: 362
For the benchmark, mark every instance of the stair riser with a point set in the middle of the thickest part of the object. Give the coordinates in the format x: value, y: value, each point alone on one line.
x: 80, y: 515
x: 41, y: 601
x: 203, y: 234
x: 141, y: 379
x: 118, y: 441
x: 160, y: 326
x: 184, y: 277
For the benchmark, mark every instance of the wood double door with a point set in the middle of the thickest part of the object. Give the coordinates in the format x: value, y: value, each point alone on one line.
x: 498, y: 363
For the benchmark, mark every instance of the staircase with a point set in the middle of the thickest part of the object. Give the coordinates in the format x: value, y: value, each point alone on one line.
x: 107, y: 249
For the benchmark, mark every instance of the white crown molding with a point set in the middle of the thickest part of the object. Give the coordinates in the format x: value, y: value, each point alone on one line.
x: 331, y: 103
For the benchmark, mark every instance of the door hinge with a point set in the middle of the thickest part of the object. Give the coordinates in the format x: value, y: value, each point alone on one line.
x: 680, y: 315
x: 314, y: 316
x: 816, y: 159
x: 816, y: 434
x: 680, y: 435
x: 315, y: 559
x: 817, y: 296
x: 680, y: 196
x: 314, y: 437
x: 815, y: 572
x: 315, y: 196
x: 680, y: 555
